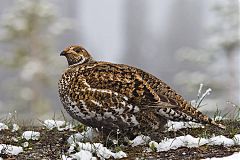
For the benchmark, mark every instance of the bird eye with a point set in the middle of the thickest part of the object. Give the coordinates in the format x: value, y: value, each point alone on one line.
x: 77, y: 49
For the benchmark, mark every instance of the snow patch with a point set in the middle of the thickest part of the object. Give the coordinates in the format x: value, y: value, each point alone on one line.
x: 31, y: 135
x: 86, y: 135
x: 236, y: 139
x: 85, y: 150
x: 140, y: 140
x: 221, y: 140
x: 119, y: 155
x: 64, y: 157
x: 82, y: 155
x: 60, y: 125
x: 10, y: 149
x: 181, y: 141
x: 189, y: 141
x: 100, y: 150
x: 3, y: 126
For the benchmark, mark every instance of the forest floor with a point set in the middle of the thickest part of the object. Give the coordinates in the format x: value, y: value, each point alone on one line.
x: 53, y: 143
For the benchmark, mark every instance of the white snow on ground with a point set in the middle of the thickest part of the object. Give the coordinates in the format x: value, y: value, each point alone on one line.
x: 82, y: 155
x: 31, y: 135
x: 236, y: 138
x: 221, y: 140
x: 189, y: 141
x: 119, y: 155
x: 64, y: 157
x: 3, y: 126
x: 174, y: 126
x: 140, y: 140
x: 9, y: 149
x: 86, y: 135
x: 99, y: 150
x: 234, y: 156
x: 60, y: 125
x: 87, y: 149
x: 181, y: 141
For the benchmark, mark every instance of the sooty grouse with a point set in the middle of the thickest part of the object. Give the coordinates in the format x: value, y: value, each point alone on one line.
x: 111, y: 96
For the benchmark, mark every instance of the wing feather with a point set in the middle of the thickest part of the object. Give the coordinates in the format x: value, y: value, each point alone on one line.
x: 127, y: 81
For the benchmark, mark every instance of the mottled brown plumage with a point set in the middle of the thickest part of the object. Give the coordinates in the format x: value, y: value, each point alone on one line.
x: 116, y: 96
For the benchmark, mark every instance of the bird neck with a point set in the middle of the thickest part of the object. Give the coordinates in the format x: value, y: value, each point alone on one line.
x: 81, y: 62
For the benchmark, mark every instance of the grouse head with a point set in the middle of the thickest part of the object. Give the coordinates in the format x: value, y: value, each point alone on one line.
x: 76, y: 55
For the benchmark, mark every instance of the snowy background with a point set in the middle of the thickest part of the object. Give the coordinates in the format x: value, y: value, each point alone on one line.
x: 184, y: 43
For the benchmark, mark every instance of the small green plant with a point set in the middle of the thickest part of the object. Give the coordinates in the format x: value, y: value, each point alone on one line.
x: 218, y: 115
x: 153, y: 147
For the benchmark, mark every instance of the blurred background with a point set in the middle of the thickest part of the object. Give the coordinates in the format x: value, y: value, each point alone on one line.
x: 183, y: 42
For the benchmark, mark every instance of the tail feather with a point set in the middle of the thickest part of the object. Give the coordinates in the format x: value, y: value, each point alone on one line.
x: 218, y: 125
x: 188, y: 109
x: 186, y: 112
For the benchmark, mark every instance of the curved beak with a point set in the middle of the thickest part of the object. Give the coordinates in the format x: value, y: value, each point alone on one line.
x: 62, y: 53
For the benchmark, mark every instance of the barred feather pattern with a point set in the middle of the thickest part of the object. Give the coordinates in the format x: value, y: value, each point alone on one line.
x: 117, y: 96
